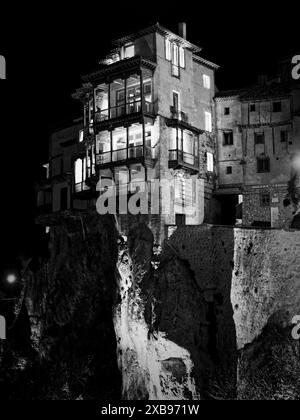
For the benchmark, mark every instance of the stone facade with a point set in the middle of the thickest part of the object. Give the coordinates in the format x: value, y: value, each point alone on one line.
x: 258, y: 144
x: 144, y: 120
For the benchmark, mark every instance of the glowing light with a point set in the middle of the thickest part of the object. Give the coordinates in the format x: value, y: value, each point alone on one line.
x: 11, y: 278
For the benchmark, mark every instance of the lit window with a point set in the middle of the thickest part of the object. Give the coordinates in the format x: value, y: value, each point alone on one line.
x: 78, y: 171
x: 175, y: 61
x: 168, y: 50
x: 208, y: 122
x: 206, y: 81
x: 129, y: 51
x: 47, y: 170
x: 210, y: 162
x: 80, y: 136
x: 182, y: 57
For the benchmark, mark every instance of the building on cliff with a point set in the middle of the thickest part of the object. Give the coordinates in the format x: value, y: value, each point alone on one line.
x: 55, y: 190
x: 152, y: 111
x: 258, y: 140
x: 149, y: 114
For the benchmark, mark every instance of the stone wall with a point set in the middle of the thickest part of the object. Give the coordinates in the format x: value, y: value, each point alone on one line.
x: 255, y: 274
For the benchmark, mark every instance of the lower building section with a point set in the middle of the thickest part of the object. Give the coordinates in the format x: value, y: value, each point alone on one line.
x: 266, y: 206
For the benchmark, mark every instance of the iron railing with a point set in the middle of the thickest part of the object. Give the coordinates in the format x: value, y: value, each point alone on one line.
x: 132, y: 152
x: 129, y: 108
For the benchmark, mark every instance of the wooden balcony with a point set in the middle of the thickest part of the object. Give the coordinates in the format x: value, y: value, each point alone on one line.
x: 127, y: 113
x: 179, y: 159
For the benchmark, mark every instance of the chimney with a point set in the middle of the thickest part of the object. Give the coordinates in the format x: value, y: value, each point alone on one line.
x: 182, y: 30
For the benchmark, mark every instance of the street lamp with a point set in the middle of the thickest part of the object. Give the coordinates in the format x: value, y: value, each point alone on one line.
x: 14, y: 278
x: 11, y: 278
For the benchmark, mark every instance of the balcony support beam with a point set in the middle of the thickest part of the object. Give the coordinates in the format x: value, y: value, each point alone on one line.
x: 142, y: 91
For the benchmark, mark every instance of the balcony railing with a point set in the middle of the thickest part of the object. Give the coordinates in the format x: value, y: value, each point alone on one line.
x: 80, y: 187
x: 183, y: 157
x: 179, y: 115
x: 133, y: 152
x: 130, y: 108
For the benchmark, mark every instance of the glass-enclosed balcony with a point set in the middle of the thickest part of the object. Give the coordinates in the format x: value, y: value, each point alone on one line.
x: 183, y: 149
x: 123, y: 97
x: 132, y: 143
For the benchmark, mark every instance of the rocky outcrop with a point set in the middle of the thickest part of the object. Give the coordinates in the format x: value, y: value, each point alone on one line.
x: 69, y: 300
x: 212, y: 318
x: 207, y: 316
x: 266, y: 296
x: 153, y: 366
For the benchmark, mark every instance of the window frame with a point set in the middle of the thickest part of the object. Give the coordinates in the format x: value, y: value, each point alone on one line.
x: 256, y: 136
x: 225, y: 133
x: 175, y: 58
x: 263, y: 202
x: 206, y: 115
x: 182, y: 57
x: 126, y: 47
x: 267, y: 168
x: 168, y: 50
x: 210, y: 164
x: 274, y: 104
x: 206, y: 81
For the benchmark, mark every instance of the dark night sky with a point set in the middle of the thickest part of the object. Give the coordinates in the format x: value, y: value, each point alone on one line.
x: 48, y: 48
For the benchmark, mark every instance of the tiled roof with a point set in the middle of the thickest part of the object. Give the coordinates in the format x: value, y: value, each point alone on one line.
x: 255, y: 92
x: 205, y: 62
x: 229, y: 93
x: 163, y: 31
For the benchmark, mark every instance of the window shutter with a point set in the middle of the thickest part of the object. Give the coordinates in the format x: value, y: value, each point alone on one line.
x: 182, y: 57
x: 168, y: 50
x: 208, y: 123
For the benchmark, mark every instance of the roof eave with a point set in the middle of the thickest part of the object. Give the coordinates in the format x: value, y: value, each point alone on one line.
x: 161, y: 30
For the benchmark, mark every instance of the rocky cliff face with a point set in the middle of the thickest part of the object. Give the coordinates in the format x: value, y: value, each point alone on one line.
x: 206, y: 316
x: 212, y: 317
x: 69, y: 302
x: 153, y: 365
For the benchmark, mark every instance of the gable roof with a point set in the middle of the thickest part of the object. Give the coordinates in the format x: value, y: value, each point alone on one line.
x: 161, y: 30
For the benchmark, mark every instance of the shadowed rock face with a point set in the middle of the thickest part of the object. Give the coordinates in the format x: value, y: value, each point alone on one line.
x: 213, y: 319
x: 153, y: 365
x: 69, y: 301
x: 107, y: 317
x: 170, y: 320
